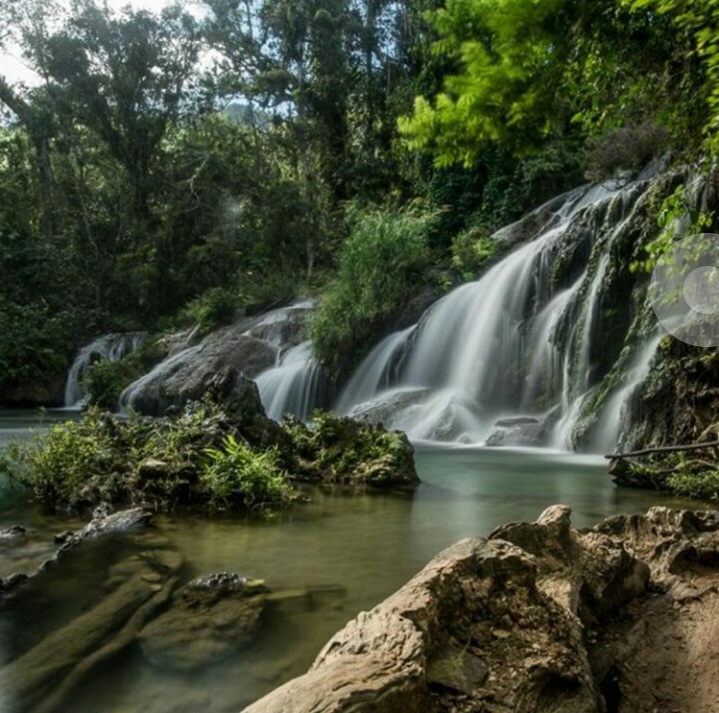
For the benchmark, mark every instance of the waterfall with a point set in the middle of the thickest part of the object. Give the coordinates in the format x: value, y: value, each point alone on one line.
x: 296, y: 386
x: 376, y: 372
x: 519, y: 342
x: 110, y: 347
x: 614, y: 413
x: 519, y: 355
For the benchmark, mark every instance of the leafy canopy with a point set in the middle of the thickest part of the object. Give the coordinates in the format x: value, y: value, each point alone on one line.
x: 509, y: 55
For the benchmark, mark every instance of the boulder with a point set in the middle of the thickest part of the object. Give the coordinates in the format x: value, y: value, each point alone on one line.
x: 187, y: 375
x: 16, y: 532
x: 44, y: 675
x: 207, y: 618
x: 475, y: 630
x: 103, y: 523
x: 519, y: 431
x: 537, y: 618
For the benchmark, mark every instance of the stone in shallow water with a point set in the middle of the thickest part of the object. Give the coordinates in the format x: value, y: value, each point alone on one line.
x: 13, y: 533
x: 517, y: 431
x: 209, y: 617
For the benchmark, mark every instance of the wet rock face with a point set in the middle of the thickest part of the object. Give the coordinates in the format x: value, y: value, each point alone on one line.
x: 519, y: 431
x: 208, y: 618
x: 191, y: 372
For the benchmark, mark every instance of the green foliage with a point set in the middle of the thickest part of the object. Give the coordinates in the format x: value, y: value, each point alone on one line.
x: 203, y: 457
x: 379, y: 268
x: 697, y: 23
x: 35, y: 343
x: 236, y: 475
x: 346, y: 451
x: 703, y: 485
x: 510, y: 54
x: 214, y: 308
x: 472, y: 251
x: 71, y: 456
x: 676, y: 219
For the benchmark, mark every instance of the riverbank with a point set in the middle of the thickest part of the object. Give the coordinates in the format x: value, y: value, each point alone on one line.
x: 539, y: 617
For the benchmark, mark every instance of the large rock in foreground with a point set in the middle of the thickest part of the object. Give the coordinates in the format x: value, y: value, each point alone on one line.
x: 537, y: 618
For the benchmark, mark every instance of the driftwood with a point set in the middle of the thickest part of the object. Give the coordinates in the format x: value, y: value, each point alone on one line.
x: 663, y: 449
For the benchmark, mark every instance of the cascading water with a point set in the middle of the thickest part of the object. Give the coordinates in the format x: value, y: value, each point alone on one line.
x: 297, y: 385
x: 110, y: 347
x: 523, y: 349
x: 518, y: 342
x: 613, y: 417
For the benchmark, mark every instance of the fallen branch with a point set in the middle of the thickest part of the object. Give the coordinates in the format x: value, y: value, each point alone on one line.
x: 663, y: 449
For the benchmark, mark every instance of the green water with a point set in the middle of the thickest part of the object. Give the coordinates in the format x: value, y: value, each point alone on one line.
x: 368, y: 544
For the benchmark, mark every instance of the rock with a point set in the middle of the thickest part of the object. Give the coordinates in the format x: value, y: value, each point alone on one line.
x: 187, y: 375
x: 455, y: 668
x: 207, y: 618
x: 389, y: 407
x: 434, y: 638
x: 519, y: 431
x: 13, y: 533
x: 12, y: 582
x: 42, y: 676
x: 589, y: 573
x: 102, y: 524
x: 536, y: 222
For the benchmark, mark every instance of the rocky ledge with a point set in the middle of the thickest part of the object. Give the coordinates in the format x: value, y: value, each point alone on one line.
x: 538, y: 617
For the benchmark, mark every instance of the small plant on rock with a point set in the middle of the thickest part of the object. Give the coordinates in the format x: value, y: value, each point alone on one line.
x: 236, y: 475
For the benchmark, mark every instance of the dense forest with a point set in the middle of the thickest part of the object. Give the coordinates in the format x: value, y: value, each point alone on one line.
x: 180, y: 166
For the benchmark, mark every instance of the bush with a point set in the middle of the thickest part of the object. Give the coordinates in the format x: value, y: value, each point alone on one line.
x: 61, y: 463
x: 236, y: 475
x: 214, y: 308
x: 630, y: 148
x: 380, y: 268
x: 105, y: 381
x: 341, y: 450
x: 703, y: 485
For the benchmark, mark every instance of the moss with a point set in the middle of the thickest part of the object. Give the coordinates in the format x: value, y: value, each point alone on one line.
x: 340, y: 450
x: 681, y: 474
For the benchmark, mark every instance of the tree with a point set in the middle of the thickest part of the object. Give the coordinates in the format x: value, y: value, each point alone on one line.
x: 126, y: 77
x: 531, y: 72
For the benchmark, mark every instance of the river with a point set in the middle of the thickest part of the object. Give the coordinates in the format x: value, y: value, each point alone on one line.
x: 368, y: 544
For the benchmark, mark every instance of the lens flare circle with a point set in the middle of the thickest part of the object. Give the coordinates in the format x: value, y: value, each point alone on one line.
x: 684, y: 290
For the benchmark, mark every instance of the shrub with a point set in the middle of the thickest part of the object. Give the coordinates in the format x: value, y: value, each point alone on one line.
x: 105, y: 380
x: 214, y: 308
x: 627, y: 149
x: 380, y: 267
x: 236, y: 475
x: 703, y: 485
x: 341, y: 450
x: 59, y: 464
